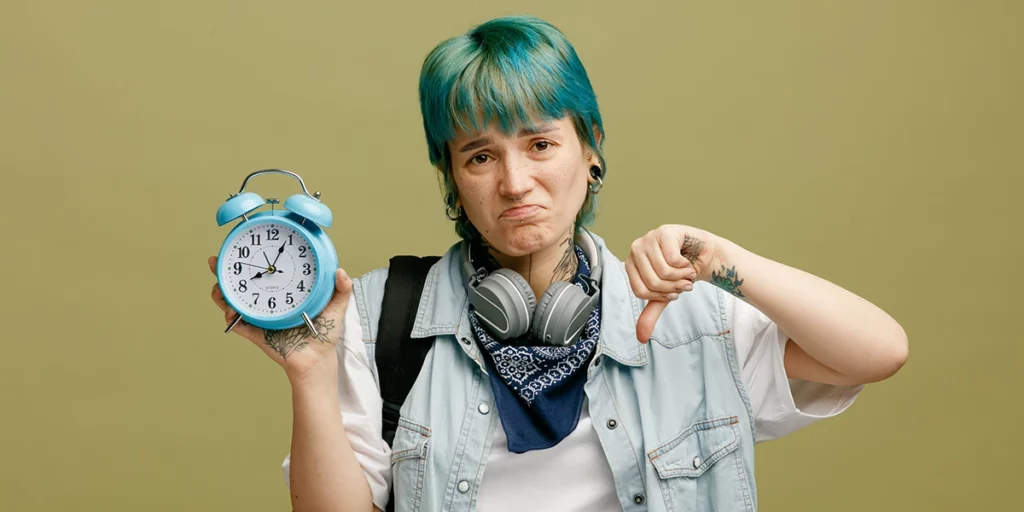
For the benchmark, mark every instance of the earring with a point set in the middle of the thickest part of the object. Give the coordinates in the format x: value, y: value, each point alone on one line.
x: 595, y: 172
x: 452, y: 213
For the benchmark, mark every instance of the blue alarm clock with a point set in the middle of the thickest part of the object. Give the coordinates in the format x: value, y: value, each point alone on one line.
x: 276, y: 267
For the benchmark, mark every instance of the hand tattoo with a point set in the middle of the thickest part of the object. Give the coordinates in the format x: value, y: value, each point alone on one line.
x: 289, y: 341
x: 727, y: 280
x: 692, y: 247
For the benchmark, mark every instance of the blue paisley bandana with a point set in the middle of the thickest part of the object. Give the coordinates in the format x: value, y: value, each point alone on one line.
x: 539, y: 389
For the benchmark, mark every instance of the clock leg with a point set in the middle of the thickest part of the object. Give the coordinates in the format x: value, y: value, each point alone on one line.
x: 309, y: 323
x: 233, y: 323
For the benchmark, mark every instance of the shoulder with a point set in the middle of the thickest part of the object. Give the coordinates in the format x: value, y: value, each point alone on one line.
x: 368, y: 290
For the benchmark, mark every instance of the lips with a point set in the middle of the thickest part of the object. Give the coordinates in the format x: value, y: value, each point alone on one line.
x: 521, y: 212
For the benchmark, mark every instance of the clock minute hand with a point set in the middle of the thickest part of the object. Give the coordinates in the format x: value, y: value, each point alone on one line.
x: 279, y: 251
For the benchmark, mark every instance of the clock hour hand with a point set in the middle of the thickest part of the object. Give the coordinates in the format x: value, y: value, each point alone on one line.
x: 260, y: 274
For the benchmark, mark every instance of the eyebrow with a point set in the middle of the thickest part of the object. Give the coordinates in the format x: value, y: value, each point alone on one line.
x: 536, y: 130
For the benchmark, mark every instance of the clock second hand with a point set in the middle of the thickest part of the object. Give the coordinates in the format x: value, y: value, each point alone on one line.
x: 251, y: 265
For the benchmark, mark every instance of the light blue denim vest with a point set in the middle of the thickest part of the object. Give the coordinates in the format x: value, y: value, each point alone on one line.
x: 672, y: 415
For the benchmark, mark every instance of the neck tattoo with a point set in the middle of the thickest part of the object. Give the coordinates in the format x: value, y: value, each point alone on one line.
x: 567, y: 266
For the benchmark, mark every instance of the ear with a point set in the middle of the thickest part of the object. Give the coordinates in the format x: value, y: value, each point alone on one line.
x: 592, y: 158
x: 448, y: 199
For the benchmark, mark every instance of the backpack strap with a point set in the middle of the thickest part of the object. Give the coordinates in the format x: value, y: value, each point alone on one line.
x: 398, y: 356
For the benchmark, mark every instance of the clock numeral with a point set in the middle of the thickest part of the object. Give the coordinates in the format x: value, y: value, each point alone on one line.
x: 271, y: 302
x: 272, y: 234
x: 290, y: 242
x: 305, y: 269
x: 302, y: 251
x: 256, y: 298
x: 255, y: 239
x: 241, y: 286
x: 288, y: 299
x: 243, y: 252
x: 238, y: 267
x: 301, y: 286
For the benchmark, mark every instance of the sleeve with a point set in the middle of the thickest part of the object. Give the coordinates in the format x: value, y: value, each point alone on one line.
x: 780, y: 405
x: 361, y: 405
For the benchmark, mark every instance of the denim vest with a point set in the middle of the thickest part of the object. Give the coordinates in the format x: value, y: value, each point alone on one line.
x: 672, y: 416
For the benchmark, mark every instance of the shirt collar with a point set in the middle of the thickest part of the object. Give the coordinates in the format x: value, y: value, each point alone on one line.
x: 444, y: 308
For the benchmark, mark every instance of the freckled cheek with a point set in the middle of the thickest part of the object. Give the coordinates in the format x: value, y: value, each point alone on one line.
x: 562, y: 182
x: 474, y: 197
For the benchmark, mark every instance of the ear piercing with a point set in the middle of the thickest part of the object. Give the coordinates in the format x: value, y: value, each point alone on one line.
x: 595, y: 172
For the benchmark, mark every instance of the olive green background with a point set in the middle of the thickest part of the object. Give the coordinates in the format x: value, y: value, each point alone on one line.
x: 876, y: 144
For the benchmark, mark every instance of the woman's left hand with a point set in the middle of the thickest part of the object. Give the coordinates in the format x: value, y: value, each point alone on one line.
x: 665, y: 263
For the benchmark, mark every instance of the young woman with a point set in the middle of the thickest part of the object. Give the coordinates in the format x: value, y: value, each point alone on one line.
x: 560, y: 377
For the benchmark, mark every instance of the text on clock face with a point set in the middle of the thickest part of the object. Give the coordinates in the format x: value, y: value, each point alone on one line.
x: 269, y: 269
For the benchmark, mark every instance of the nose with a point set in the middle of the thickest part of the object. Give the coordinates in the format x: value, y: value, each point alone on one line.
x: 516, y: 179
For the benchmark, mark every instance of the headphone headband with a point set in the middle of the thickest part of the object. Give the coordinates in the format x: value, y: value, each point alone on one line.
x: 505, y: 303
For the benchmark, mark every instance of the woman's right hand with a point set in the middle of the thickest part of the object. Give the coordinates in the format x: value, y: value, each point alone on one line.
x: 296, y: 349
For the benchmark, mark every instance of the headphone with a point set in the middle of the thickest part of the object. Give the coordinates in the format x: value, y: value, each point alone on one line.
x: 506, y: 305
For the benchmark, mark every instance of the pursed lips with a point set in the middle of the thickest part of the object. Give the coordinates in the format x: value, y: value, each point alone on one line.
x: 521, y: 211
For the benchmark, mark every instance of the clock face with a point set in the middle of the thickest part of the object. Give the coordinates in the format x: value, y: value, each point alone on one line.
x: 269, y: 269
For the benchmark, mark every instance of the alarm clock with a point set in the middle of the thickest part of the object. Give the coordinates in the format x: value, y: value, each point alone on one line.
x: 276, y: 267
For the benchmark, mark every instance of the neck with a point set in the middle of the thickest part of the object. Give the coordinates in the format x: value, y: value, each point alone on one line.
x: 545, y: 266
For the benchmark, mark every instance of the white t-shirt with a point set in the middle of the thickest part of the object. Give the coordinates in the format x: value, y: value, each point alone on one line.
x: 574, y: 476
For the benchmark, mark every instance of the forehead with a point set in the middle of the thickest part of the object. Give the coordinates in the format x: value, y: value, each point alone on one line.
x: 534, y: 124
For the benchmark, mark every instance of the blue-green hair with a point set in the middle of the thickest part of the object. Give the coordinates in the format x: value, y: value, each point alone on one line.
x: 504, y: 71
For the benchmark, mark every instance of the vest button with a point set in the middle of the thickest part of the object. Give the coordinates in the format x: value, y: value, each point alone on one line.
x: 696, y: 462
x: 463, y: 486
x: 484, y: 409
x: 638, y: 499
x: 612, y: 424
x: 465, y: 340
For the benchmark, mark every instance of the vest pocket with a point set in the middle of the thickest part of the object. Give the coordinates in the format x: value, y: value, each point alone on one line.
x: 408, y: 464
x: 700, y: 468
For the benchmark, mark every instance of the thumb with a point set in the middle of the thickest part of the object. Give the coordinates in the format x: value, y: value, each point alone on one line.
x: 648, y: 317
x: 342, y: 292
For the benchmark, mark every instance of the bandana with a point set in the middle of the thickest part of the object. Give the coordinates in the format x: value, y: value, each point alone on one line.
x: 538, y: 389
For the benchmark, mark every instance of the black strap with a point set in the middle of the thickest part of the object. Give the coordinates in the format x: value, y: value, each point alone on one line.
x: 398, y: 356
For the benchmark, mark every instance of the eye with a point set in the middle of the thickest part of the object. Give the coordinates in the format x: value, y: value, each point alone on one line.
x: 479, y: 159
x: 542, y: 145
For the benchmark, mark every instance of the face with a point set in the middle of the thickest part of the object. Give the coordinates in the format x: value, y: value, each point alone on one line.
x: 522, y: 191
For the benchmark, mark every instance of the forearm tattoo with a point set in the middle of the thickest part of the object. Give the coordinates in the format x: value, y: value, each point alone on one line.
x: 692, y: 248
x: 727, y: 280
x: 289, y: 341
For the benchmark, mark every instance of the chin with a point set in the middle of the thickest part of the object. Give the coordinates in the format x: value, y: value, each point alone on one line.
x: 526, y: 239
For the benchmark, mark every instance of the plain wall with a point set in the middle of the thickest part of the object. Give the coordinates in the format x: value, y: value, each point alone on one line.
x: 875, y: 144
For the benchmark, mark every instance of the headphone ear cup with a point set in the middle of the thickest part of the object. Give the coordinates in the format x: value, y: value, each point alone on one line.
x: 504, y: 302
x: 561, y: 314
